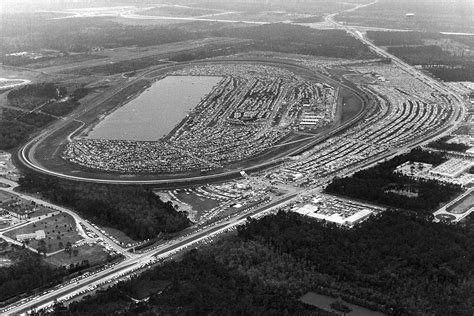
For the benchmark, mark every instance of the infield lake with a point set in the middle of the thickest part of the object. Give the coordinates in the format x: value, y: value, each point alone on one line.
x: 155, y: 112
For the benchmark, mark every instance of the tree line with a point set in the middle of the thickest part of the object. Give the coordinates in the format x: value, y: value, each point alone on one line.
x: 443, y: 144
x: 135, y: 210
x: 29, y: 272
x: 372, y: 184
x: 399, y: 263
x: 16, y: 126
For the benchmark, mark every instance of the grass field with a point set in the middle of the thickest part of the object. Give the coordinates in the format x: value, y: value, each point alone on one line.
x: 462, y: 205
x: 5, y: 196
x: 59, y: 229
x: 94, y: 254
x: 199, y: 203
x: 40, y: 211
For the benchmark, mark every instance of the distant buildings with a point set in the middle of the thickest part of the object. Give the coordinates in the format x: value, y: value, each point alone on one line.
x: 338, y: 211
x: 452, y: 168
x: 452, y: 171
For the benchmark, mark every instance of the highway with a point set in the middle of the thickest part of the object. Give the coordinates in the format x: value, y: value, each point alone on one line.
x: 139, y: 260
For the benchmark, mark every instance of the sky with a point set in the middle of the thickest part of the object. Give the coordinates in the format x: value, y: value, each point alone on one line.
x: 8, y: 6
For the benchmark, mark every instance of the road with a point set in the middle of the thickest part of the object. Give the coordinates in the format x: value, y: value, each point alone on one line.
x: 80, y: 223
x: 138, y: 260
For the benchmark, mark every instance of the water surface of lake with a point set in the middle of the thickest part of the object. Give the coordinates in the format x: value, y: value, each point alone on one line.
x: 155, y: 112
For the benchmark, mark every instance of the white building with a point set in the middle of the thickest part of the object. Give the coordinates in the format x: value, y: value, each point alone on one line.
x: 38, y: 235
x: 452, y: 168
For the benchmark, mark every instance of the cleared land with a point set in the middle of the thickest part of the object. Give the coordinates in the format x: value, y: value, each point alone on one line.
x: 429, y: 15
x: 59, y: 229
x: 5, y: 196
x: 463, y: 205
x: 93, y: 254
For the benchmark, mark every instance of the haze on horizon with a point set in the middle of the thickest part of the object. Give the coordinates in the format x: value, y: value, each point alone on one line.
x: 11, y: 6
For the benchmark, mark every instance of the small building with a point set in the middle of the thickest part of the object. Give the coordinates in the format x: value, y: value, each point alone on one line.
x: 358, y: 217
x: 38, y: 235
x: 470, y: 151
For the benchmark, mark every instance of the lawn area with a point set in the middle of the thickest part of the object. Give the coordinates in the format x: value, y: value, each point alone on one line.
x: 40, y: 211
x: 463, y: 205
x: 94, y: 254
x: 5, y: 196
x: 199, y: 203
x: 59, y: 229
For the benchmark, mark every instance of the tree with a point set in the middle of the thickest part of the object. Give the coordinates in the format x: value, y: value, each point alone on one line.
x: 68, y: 248
x: 42, y: 247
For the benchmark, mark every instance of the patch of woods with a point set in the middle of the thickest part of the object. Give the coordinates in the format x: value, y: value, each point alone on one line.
x: 38, y: 105
x: 399, y: 263
x: 286, y: 38
x: 448, y: 57
x: 99, y: 34
x: 30, y: 274
x: 283, y: 38
x: 135, y: 210
x: 442, y: 144
x: 87, y: 34
x: 372, y: 184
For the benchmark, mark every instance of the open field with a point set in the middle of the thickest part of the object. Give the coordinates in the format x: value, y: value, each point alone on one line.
x: 447, y: 56
x: 5, y: 196
x: 59, y: 229
x: 463, y: 205
x: 429, y: 15
x: 93, y: 254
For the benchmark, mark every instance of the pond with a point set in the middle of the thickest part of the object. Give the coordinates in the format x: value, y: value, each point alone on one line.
x: 155, y: 112
x: 324, y: 301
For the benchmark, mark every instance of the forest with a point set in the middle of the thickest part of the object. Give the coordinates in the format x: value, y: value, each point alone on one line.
x: 88, y: 33
x: 13, y: 133
x: 399, y: 263
x: 372, y: 184
x: 286, y: 38
x: 447, y: 57
x: 387, y: 38
x: 17, y: 125
x: 135, y: 210
x: 28, y: 273
x: 92, y: 33
x: 44, y: 91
